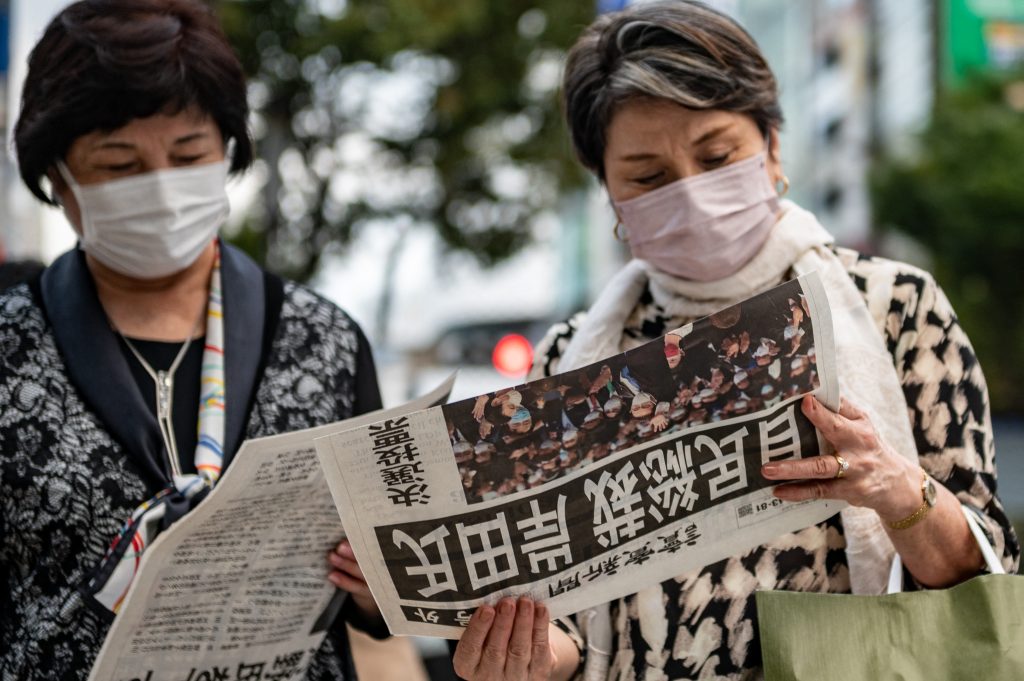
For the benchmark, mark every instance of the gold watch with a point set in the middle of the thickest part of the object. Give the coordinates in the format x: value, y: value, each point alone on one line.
x: 928, y: 495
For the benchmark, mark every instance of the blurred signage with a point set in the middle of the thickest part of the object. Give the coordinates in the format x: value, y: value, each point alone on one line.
x: 605, y: 6
x: 982, y: 35
x: 5, y: 42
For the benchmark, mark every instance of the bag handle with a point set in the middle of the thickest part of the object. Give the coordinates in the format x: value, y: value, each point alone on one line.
x: 995, y: 566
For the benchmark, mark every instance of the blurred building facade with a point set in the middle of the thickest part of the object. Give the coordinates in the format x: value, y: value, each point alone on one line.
x: 860, y: 76
x: 855, y: 75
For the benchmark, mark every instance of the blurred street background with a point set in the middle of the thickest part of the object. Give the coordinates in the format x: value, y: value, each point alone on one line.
x: 414, y: 168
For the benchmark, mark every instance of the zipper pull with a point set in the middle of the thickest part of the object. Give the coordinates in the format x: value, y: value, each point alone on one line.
x: 164, y: 386
x: 164, y: 391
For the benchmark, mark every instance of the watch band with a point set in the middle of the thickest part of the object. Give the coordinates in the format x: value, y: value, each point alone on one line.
x: 928, y: 500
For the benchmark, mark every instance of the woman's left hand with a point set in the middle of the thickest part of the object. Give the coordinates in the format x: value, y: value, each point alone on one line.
x: 877, y: 477
x: 347, y: 575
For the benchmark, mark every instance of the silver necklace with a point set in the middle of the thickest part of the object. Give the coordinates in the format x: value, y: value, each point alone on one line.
x: 164, y: 382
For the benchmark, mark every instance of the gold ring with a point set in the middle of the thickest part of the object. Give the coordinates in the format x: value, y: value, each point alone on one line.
x: 844, y: 466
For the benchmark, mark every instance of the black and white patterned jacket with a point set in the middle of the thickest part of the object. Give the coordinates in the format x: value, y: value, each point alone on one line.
x: 704, y: 625
x: 79, y: 449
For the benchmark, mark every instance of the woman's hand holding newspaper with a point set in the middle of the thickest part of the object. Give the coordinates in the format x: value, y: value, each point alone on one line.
x: 348, y: 576
x: 514, y: 641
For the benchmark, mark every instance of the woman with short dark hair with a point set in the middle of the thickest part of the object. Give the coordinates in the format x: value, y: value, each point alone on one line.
x: 133, y: 368
x: 100, y: 65
x: 675, y: 110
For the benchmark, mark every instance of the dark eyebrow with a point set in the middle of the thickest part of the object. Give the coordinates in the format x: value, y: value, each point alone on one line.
x: 638, y: 157
x: 191, y: 137
x: 114, y: 144
x: 184, y: 139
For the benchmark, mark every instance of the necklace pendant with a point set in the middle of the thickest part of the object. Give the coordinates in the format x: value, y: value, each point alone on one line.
x: 164, y: 388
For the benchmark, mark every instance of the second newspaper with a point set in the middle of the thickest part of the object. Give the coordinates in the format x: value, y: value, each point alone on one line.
x: 592, y: 484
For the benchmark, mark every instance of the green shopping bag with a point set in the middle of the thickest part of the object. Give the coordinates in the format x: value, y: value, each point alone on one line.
x: 973, y: 631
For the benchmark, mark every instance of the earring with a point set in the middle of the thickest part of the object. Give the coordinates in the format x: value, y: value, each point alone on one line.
x: 785, y: 186
x: 615, y: 231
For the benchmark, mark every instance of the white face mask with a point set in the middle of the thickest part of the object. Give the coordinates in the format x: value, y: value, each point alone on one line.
x: 155, y: 224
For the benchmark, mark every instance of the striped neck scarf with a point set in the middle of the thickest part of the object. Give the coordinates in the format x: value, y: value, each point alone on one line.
x: 210, y: 449
x: 113, y: 578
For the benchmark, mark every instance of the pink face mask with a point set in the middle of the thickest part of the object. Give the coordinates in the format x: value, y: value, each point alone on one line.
x: 705, y: 227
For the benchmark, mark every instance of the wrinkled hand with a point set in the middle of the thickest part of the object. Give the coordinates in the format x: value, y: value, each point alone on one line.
x: 507, y: 643
x: 348, y: 576
x: 878, y: 477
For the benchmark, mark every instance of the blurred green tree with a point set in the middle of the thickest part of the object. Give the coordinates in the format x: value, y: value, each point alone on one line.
x: 961, y: 197
x: 395, y: 113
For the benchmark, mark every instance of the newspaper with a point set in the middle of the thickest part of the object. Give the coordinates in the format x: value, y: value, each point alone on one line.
x: 237, y: 589
x: 593, y: 484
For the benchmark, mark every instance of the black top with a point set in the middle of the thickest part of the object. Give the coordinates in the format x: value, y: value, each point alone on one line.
x: 187, y: 381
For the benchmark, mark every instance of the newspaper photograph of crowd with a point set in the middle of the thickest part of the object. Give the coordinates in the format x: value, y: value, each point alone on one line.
x: 735, y: 362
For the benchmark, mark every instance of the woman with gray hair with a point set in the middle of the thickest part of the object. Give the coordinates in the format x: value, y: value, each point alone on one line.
x: 675, y: 110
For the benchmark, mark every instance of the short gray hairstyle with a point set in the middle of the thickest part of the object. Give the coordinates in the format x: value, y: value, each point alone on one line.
x: 681, y: 51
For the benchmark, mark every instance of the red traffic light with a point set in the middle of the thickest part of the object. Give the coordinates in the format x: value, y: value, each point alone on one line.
x: 512, y: 356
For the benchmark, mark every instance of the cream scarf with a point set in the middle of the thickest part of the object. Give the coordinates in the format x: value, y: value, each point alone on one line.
x: 867, y: 378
